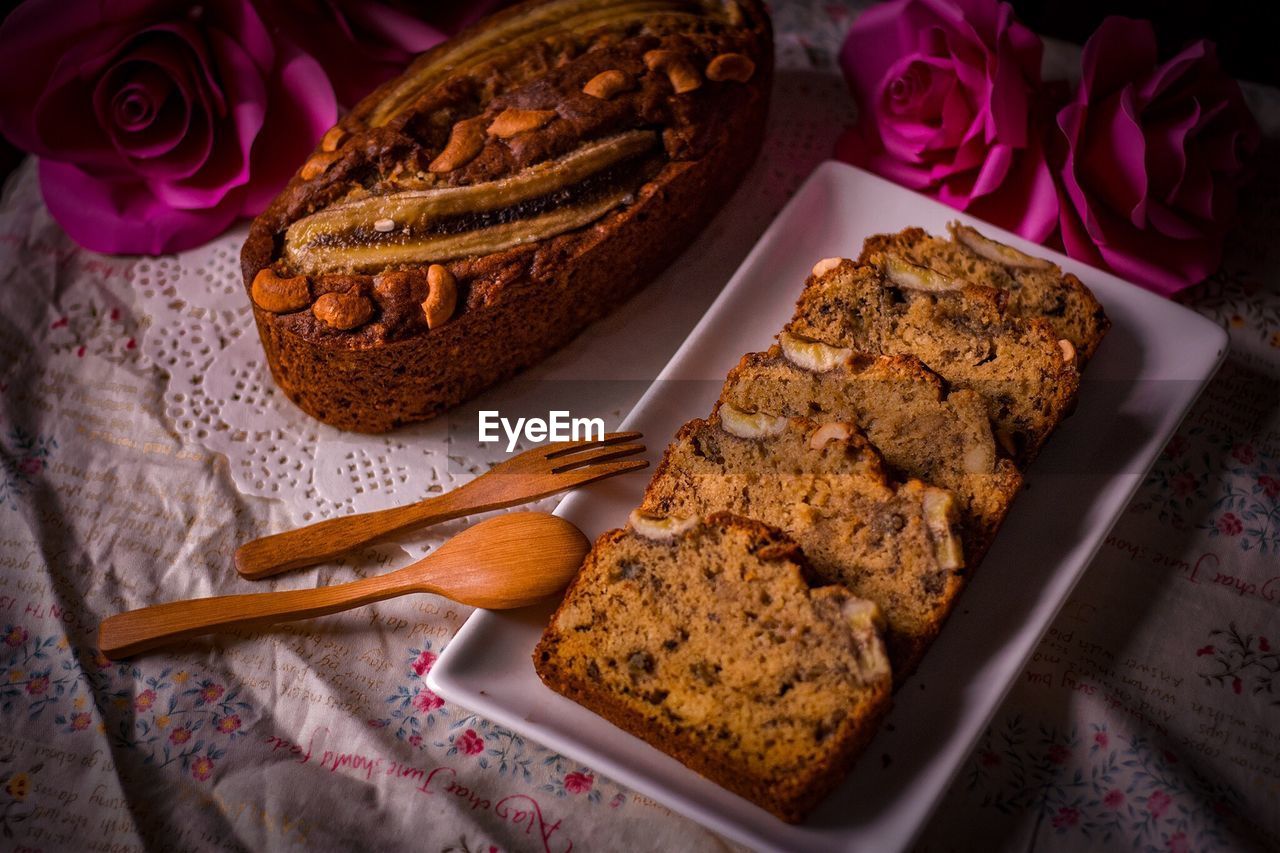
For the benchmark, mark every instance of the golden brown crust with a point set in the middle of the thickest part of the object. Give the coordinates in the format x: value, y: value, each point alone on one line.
x: 395, y: 367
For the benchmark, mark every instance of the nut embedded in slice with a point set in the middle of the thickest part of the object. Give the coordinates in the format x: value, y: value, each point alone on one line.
x: 750, y: 424
x: 319, y: 164
x: 826, y: 265
x: 941, y: 515
x: 812, y: 355
x: 660, y: 527
x: 993, y: 251
x: 828, y: 432
x: 332, y: 138
x: 1068, y: 351
x: 279, y: 295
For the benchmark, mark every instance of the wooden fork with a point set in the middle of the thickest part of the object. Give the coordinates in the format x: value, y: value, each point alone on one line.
x: 533, y: 474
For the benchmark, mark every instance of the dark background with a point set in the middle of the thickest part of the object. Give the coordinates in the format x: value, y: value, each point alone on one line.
x: 1245, y: 32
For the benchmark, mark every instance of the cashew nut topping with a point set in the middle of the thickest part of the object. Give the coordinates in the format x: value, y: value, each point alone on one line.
x: 332, y: 138
x: 465, y: 141
x: 744, y: 424
x: 826, y: 265
x: 606, y: 84
x: 509, y: 122
x: 342, y: 310
x: 319, y: 164
x: 442, y: 297
x: 812, y: 355
x: 736, y: 67
x: 660, y: 527
x: 1068, y: 351
x: 680, y: 71
x: 827, y: 433
x: 279, y: 295
x: 939, y: 508
x: 987, y: 248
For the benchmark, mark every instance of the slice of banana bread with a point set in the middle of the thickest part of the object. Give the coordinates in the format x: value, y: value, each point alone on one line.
x: 824, y: 485
x: 921, y: 431
x: 1036, y: 287
x: 959, y: 330
x: 707, y: 640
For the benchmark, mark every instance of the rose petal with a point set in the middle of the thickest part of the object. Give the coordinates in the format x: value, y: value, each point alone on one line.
x: 123, y: 217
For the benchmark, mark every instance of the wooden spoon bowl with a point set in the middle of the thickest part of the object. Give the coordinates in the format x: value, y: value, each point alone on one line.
x: 505, y: 562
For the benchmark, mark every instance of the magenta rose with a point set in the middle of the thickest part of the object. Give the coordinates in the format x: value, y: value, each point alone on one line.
x: 944, y: 91
x: 157, y: 123
x: 1155, y: 154
x: 360, y: 43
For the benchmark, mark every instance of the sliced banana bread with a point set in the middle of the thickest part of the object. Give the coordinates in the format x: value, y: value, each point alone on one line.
x: 824, y: 485
x: 959, y: 330
x: 707, y: 640
x: 1036, y: 287
x: 921, y: 431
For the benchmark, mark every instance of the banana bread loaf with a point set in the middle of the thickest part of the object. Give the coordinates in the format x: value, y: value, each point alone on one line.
x: 515, y: 184
x: 707, y: 640
x: 824, y: 486
x: 922, y: 432
x: 1036, y: 287
x: 960, y: 331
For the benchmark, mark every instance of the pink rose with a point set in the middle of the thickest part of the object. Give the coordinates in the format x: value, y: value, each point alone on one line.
x: 1155, y: 153
x: 426, y: 701
x: 578, y: 783
x: 987, y: 758
x: 157, y: 124
x: 1066, y: 817
x: 470, y: 743
x: 1058, y: 754
x: 1184, y: 484
x: 1157, y: 803
x: 415, y: 740
x: 31, y: 466
x: 1177, y: 843
x: 945, y: 91
x: 1230, y: 525
x: 423, y: 664
x: 360, y: 43
x: 1176, y: 447
x: 1101, y: 739
x: 1114, y: 799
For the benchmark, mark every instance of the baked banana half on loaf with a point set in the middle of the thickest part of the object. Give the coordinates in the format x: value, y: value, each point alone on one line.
x: 515, y: 184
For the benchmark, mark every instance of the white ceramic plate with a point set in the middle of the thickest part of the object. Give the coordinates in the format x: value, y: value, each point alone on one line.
x: 1142, y: 381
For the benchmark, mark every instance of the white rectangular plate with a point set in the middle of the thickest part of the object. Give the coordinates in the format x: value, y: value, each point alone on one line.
x: 1144, y: 378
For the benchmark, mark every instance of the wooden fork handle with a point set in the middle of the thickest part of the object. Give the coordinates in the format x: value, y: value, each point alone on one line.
x: 316, y: 543
x: 140, y: 630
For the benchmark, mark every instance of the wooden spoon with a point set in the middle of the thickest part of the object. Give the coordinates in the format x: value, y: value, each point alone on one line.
x: 504, y: 562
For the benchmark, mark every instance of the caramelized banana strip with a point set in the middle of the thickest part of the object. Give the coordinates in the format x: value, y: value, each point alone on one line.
x: 511, y: 36
x: 416, y: 209
x: 405, y: 249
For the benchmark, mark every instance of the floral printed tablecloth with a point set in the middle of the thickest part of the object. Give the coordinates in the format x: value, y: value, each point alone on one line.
x: 1149, y: 717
